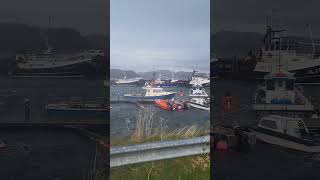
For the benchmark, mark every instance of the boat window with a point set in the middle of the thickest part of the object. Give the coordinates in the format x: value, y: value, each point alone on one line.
x: 290, y: 85
x: 272, y: 48
x: 269, y: 124
x: 270, y: 85
x: 280, y: 82
x: 284, y: 48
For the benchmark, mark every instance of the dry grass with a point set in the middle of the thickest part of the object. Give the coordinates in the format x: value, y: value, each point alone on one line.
x: 195, y: 167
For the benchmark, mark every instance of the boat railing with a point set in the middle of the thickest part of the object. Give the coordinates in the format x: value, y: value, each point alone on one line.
x: 299, y: 95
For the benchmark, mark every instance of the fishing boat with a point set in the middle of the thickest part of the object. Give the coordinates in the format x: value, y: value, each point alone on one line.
x: 199, y: 98
x: 170, y: 104
x: 287, y: 132
x: 127, y: 82
x: 172, y: 82
x: 278, y: 92
x: 151, y: 93
x: 47, y: 62
x: 77, y: 109
x: 197, y: 79
x: 295, y: 55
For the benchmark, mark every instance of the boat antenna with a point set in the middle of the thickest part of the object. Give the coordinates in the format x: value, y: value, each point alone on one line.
x: 311, y: 38
x: 47, y: 35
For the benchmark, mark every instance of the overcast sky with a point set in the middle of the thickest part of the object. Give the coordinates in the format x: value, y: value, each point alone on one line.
x: 87, y: 16
x: 147, y: 35
x: 251, y: 15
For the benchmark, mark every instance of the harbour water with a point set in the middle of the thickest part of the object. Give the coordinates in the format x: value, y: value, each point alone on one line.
x: 124, y: 115
x: 45, y: 154
x: 265, y: 161
x: 41, y: 91
x: 42, y: 153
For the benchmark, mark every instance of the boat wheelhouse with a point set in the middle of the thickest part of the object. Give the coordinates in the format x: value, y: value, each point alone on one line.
x: 278, y: 93
x: 287, y: 132
x: 151, y: 93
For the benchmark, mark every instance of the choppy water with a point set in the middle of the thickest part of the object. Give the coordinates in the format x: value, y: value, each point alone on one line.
x: 266, y: 161
x: 124, y: 115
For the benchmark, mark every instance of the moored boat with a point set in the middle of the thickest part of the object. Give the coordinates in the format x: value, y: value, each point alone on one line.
x: 77, y: 109
x: 170, y: 105
x: 287, y: 132
x: 151, y: 93
x: 278, y: 93
x: 199, y: 98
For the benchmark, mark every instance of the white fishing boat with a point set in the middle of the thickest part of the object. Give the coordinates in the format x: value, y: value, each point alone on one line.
x: 49, y: 63
x: 125, y: 81
x: 287, y: 132
x: 279, y: 93
x: 197, y: 79
x: 295, y: 55
x: 199, y: 98
x: 151, y: 93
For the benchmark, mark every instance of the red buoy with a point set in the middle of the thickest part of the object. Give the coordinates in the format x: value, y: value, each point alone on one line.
x: 222, y: 145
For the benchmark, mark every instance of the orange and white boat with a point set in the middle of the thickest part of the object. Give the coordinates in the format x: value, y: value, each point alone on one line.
x: 169, y: 104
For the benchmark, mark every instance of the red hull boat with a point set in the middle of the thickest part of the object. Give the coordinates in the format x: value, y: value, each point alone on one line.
x: 169, y: 105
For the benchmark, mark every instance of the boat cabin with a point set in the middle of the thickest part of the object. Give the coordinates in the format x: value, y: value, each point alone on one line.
x: 279, y: 88
x: 197, y: 90
x: 285, y: 125
x: 154, y: 91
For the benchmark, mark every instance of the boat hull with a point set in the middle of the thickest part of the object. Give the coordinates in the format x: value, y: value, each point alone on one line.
x: 163, y: 104
x: 199, y: 106
x: 306, y: 75
x: 81, y: 113
x: 148, y: 98
x: 84, y: 69
x: 285, y: 141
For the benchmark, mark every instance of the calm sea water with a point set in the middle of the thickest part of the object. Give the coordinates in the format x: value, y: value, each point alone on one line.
x: 266, y: 161
x: 124, y: 115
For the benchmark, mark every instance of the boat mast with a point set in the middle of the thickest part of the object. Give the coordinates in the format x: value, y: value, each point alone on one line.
x: 311, y: 37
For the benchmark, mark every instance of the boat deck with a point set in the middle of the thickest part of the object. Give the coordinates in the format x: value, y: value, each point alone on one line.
x: 283, y: 107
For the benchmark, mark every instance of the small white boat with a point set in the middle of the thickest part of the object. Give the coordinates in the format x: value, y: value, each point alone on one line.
x: 125, y: 81
x: 287, y: 132
x: 151, y: 93
x: 199, y: 98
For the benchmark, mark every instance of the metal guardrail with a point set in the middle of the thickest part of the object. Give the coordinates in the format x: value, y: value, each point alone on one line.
x: 126, y: 155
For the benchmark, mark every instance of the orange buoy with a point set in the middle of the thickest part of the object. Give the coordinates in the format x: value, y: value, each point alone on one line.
x: 222, y: 145
x: 228, y: 101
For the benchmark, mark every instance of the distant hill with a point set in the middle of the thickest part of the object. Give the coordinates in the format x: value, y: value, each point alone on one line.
x: 119, y: 74
x: 165, y: 74
x: 228, y: 44
x: 21, y: 37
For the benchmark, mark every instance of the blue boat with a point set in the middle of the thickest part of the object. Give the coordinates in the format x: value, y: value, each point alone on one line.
x: 150, y: 94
